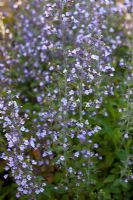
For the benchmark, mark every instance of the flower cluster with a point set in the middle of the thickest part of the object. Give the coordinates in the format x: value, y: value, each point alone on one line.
x: 16, y: 156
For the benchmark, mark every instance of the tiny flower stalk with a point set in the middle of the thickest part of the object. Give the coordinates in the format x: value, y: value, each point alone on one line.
x: 65, y: 69
x: 80, y: 94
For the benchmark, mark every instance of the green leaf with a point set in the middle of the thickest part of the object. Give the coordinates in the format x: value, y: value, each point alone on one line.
x: 110, y: 179
x: 122, y: 154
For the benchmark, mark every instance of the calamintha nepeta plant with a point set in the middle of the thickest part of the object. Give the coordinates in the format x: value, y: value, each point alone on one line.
x: 59, y: 53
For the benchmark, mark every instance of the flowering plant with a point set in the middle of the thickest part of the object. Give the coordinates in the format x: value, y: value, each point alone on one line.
x: 69, y: 137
